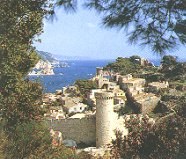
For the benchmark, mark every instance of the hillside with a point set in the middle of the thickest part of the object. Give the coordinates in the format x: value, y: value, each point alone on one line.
x: 46, y: 64
x: 46, y: 56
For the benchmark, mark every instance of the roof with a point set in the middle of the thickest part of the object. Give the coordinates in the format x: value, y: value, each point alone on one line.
x: 134, y: 80
x: 158, y: 84
x: 71, y: 102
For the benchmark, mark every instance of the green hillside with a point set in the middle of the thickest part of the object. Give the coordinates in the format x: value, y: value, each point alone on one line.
x: 46, y: 56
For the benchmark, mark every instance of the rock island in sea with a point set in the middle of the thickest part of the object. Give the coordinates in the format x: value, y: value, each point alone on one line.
x: 46, y: 64
x: 42, y: 68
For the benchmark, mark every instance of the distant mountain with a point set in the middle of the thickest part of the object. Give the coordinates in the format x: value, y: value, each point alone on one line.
x: 52, y: 59
x: 46, y: 56
x: 69, y: 58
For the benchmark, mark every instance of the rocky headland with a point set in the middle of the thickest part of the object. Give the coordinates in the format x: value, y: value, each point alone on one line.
x: 46, y: 64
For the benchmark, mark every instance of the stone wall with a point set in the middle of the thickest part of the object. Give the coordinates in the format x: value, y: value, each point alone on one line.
x: 80, y: 130
x: 148, y: 104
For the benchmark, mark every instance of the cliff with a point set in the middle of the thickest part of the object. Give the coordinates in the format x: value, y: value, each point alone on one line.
x: 46, y: 64
x: 42, y: 68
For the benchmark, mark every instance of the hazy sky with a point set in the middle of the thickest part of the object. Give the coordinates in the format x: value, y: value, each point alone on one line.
x: 81, y: 34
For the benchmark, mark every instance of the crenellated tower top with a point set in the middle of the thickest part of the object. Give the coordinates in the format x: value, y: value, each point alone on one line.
x: 104, y: 95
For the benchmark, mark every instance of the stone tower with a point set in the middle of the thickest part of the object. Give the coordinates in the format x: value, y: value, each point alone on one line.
x: 99, y: 71
x: 104, y: 118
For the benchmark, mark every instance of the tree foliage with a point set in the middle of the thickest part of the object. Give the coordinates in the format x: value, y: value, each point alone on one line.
x: 172, y: 69
x: 159, y: 24
x: 20, y: 23
x: 165, y: 139
x: 32, y: 141
x: 85, y: 86
x: 23, y: 133
x: 123, y: 66
x: 28, y: 137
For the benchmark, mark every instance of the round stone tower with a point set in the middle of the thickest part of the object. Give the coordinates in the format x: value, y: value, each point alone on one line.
x: 104, y: 118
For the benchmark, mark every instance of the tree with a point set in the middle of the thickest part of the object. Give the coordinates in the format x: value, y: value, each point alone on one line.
x: 134, y: 57
x: 180, y: 71
x: 21, y: 22
x: 21, y: 125
x: 158, y: 24
x: 172, y: 69
x: 33, y: 141
x: 169, y: 60
x: 22, y: 131
x: 123, y: 66
x: 165, y: 139
x: 85, y: 86
x: 167, y: 64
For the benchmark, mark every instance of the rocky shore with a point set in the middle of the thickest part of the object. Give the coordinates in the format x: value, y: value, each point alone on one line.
x: 42, y: 68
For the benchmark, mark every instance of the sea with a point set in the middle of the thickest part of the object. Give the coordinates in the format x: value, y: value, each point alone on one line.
x: 66, y: 76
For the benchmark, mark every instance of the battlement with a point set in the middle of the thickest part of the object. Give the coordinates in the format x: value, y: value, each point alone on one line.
x: 99, y: 68
x: 104, y: 95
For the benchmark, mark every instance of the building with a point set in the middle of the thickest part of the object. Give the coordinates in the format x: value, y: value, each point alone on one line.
x: 105, y: 118
x: 145, y: 102
x: 99, y: 127
x: 155, y: 87
x: 133, y: 84
x: 77, y: 108
x: 72, y: 104
x: 93, y: 128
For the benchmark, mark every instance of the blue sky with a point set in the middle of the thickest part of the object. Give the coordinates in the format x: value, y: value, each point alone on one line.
x: 81, y: 34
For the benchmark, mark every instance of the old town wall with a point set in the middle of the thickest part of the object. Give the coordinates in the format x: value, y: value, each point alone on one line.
x: 81, y: 130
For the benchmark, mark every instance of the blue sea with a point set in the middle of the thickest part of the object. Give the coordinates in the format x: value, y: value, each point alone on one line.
x: 68, y: 75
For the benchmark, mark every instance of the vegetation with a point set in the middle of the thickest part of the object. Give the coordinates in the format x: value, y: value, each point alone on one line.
x: 172, y: 69
x: 84, y: 86
x: 130, y: 65
x: 123, y: 66
x: 45, y: 56
x: 23, y: 133
x: 158, y: 24
x: 169, y: 103
x: 161, y: 25
x: 21, y: 22
x: 19, y: 97
x: 165, y: 139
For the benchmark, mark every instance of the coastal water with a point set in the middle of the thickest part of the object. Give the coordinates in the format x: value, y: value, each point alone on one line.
x: 68, y: 75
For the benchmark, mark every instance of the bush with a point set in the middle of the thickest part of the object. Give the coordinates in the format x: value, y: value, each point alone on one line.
x: 165, y: 139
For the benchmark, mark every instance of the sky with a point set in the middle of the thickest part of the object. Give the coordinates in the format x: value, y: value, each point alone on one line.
x: 82, y: 34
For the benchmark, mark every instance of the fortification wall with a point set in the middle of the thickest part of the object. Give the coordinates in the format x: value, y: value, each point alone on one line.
x: 81, y: 130
x: 149, y: 105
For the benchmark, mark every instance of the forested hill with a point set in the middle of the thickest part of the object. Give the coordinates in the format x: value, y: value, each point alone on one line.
x: 46, y: 56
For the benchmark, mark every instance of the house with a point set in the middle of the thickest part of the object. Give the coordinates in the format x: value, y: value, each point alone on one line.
x: 78, y: 108
x: 155, y: 87
x: 134, y: 84
x: 145, y: 102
